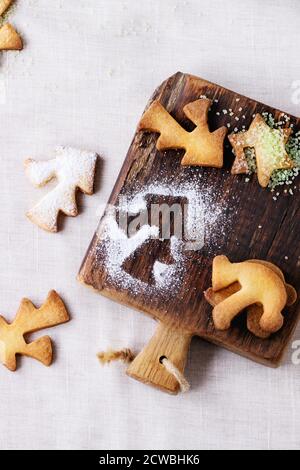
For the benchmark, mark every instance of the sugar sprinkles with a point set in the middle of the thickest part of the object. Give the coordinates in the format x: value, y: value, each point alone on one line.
x: 282, y: 177
x: 285, y: 176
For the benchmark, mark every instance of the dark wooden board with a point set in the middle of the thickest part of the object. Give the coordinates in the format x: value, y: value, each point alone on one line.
x: 257, y: 226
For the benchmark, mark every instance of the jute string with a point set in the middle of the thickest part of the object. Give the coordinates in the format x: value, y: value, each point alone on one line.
x: 127, y: 356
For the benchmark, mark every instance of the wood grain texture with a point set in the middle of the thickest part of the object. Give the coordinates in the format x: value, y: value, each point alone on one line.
x: 147, y: 366
x: 259, y: 228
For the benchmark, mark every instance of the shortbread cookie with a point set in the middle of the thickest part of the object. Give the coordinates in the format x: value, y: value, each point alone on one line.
x: 4, y: 5
x: 28, y: 320
x: 254, y: 312
x: 10, y: 39
x: 202, y: 147
x: 290, y: 290
x: 259, y: 284
x: 269, y: 145
x: 74, y: 169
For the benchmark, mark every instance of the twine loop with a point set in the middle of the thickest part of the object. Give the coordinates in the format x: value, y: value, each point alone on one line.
x: 126, y: 355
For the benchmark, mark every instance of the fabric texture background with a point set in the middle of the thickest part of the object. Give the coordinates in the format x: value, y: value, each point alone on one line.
x: 83, y: 79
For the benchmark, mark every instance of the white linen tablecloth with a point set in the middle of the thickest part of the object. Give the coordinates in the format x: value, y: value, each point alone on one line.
x: 83, y: 79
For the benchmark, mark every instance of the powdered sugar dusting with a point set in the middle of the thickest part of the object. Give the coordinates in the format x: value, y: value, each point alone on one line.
x: 166, y: 275
x: 72, y: 168
x: 203, y: 218
x: 201, y: 214
x: 118, y: 248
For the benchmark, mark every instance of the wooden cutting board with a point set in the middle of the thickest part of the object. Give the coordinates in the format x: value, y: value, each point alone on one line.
x: 242, y: 220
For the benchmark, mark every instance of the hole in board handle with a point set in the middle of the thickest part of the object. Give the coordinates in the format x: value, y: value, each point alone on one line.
x: 162, y: 358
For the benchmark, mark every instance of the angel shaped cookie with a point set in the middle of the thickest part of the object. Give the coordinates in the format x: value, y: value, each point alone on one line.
x: 74, y: 169
x: 28, y: 320
x: 202, y: 147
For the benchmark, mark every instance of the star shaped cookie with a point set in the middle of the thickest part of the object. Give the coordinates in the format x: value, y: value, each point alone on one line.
x: 202, y: 147
x: 269, y: 145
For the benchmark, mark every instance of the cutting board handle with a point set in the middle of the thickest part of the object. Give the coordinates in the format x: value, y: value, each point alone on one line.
x: 147, y: 366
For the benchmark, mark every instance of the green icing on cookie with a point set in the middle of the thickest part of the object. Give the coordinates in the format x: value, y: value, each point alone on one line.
x: 286, y: 177
x: 272, y: 143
